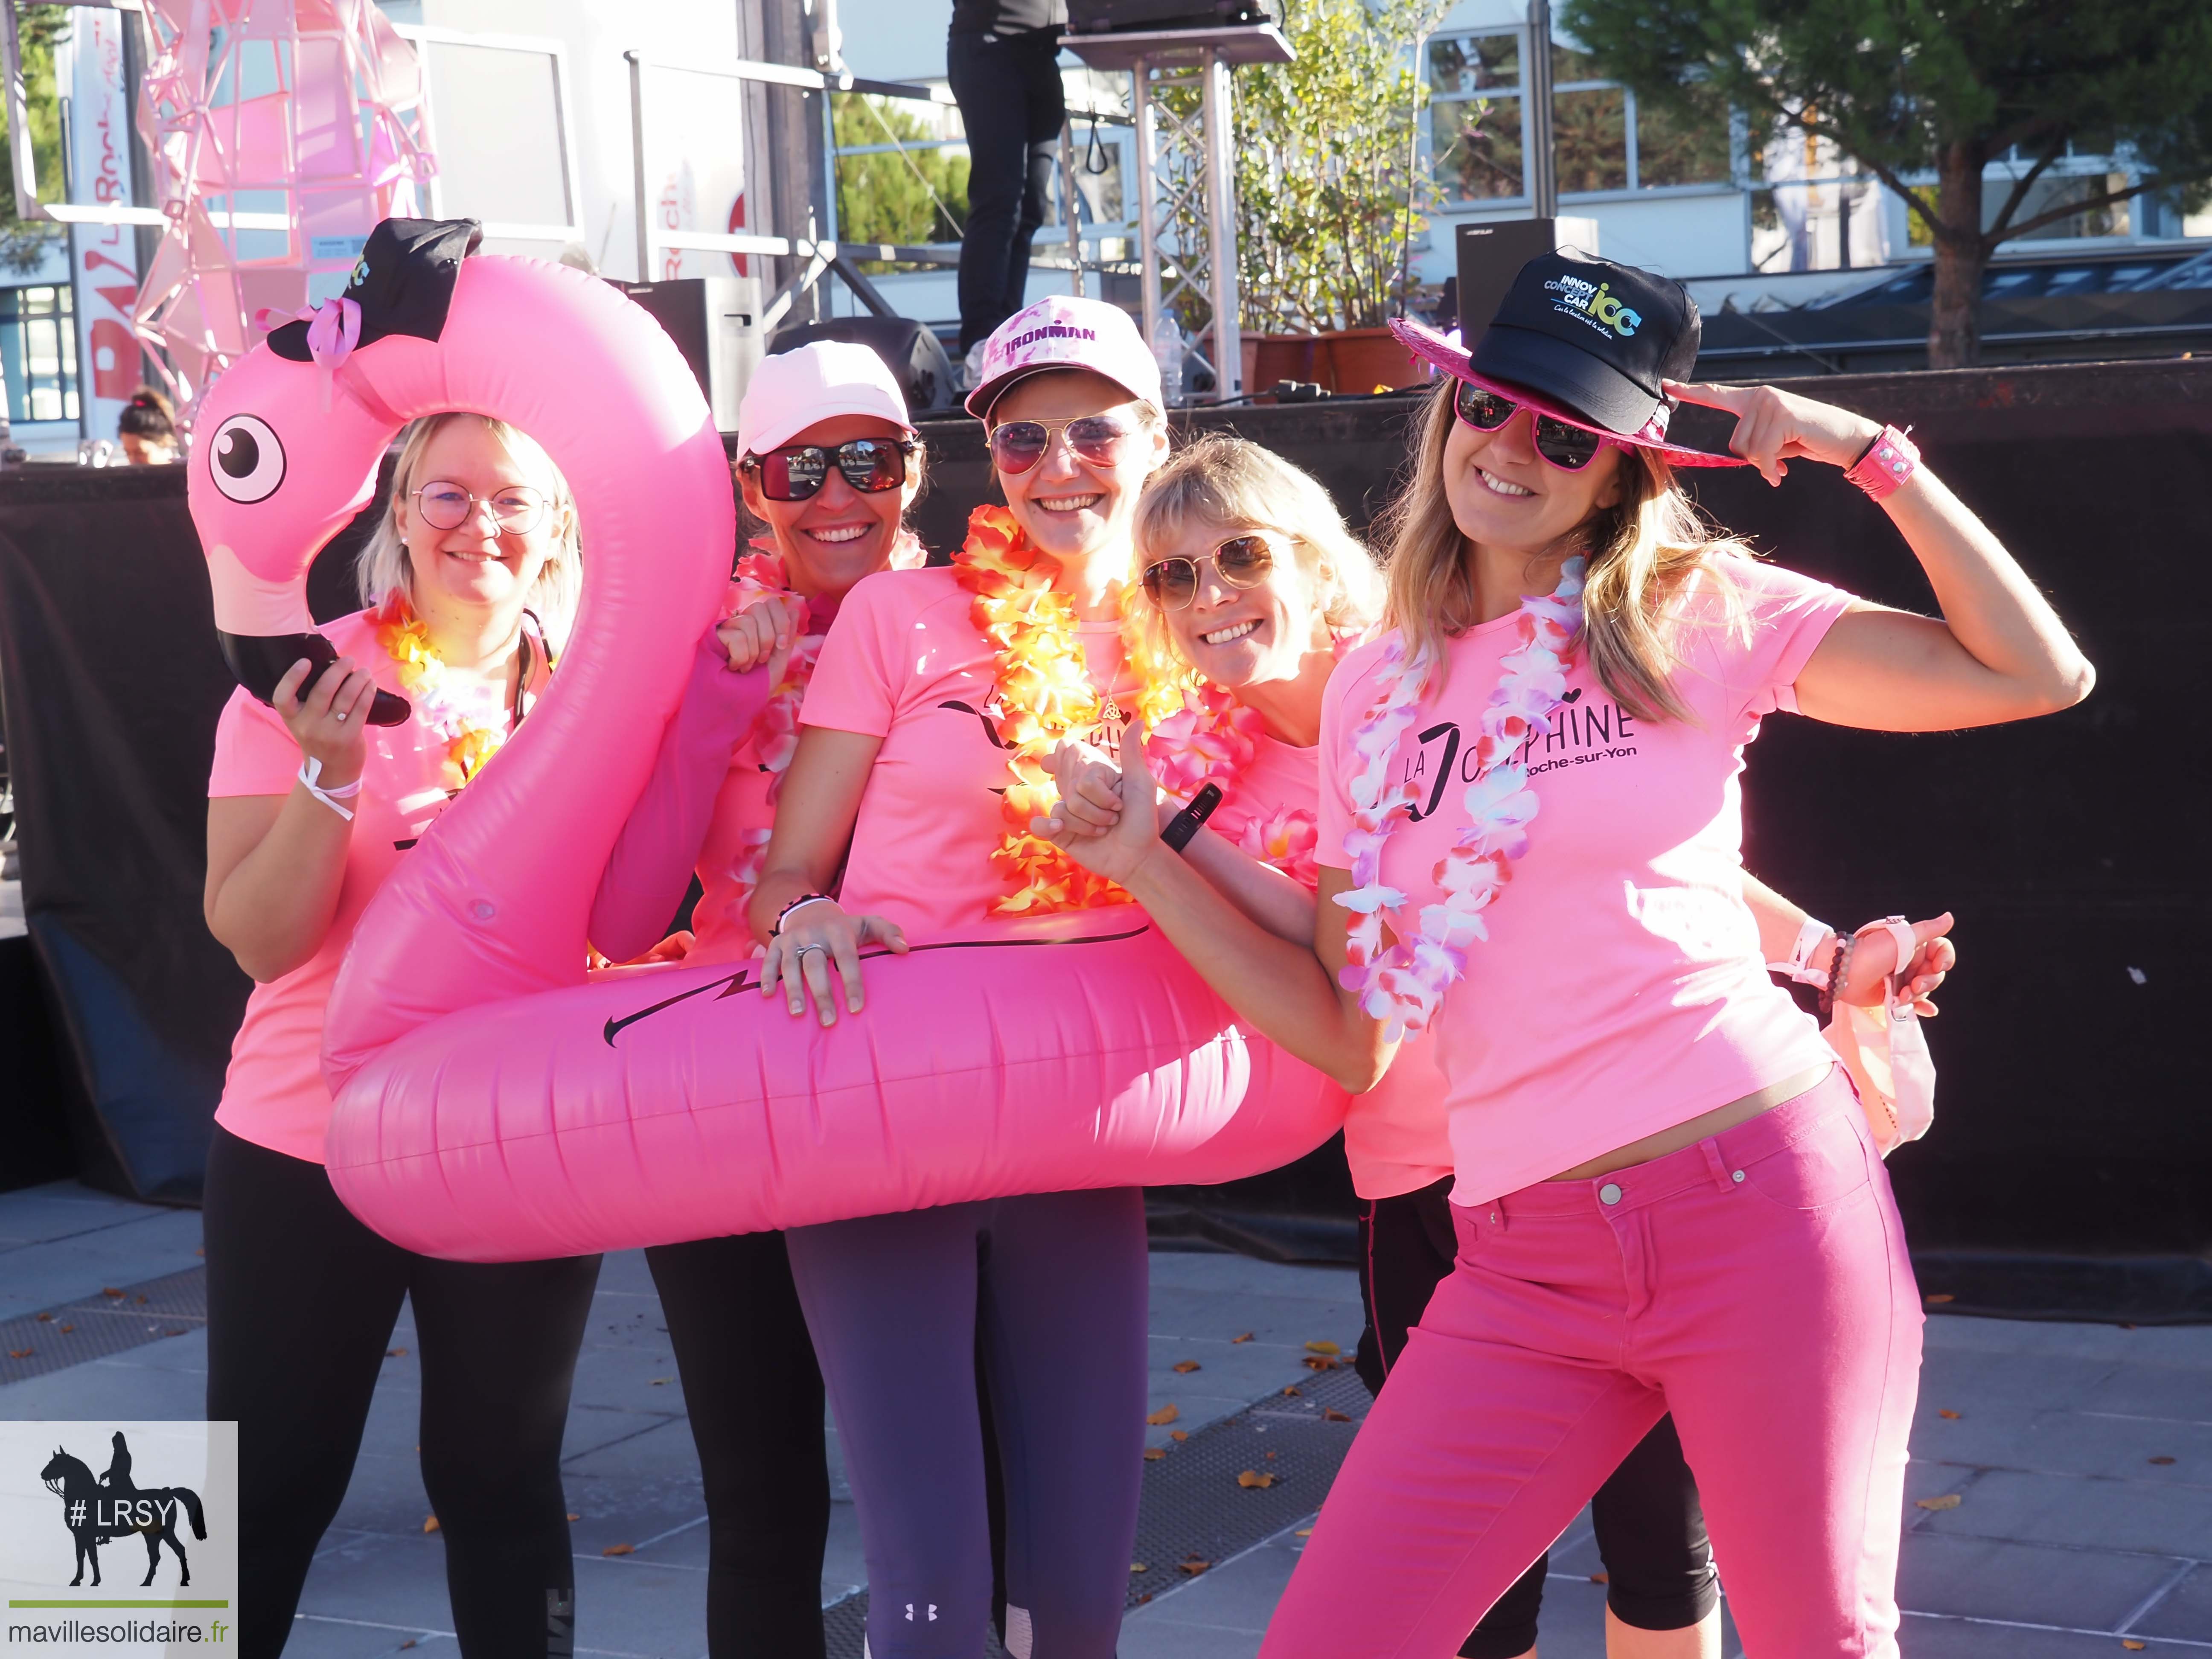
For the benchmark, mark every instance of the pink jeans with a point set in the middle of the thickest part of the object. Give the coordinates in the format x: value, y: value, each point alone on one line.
x: 1756, y: 1285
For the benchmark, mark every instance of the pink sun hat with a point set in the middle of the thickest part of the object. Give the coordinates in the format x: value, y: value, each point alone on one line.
x: 1061, y: 332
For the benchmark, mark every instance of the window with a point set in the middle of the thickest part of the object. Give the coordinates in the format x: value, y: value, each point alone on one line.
x: 1602, y: 139
x: 38, y: 351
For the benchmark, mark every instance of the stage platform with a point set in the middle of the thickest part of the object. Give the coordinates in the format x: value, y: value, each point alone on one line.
x: 2079, y: 1454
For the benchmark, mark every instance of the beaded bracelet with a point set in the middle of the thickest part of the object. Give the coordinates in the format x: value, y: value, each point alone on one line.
x: 1840, y: 971
x: 1889, y: 460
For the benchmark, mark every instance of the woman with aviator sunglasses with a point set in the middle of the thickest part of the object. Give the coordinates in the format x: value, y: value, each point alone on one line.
x: 829, y: 465
x: 1665, y: 1198
x: 931, y: 685
x: 1255, y: 585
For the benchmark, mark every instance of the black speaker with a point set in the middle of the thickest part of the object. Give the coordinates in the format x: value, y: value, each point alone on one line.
x: 914, y: 353
x: 1104, y: 17
x: 1491, y: 256
x: 715, y: 323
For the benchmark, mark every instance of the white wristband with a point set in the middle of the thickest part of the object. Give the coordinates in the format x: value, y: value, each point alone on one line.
x: 1810, y: 937
x: 311, y: 772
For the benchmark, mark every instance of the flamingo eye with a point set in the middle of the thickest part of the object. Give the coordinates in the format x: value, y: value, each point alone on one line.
x: 245, y: 460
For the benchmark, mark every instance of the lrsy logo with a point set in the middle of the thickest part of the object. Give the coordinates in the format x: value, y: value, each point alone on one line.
x: 1594, y: 301
x: 98, y: 1510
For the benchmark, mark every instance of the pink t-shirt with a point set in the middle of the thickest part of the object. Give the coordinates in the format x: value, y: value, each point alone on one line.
x: 273, y: 1093
x: 1394, y: 1137
x: 904, y: 662
x: 1622, y: 989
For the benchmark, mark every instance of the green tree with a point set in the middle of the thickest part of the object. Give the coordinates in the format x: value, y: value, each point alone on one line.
x: 1907, y: 86
x: 1329, y: 187
x: 905, y: 197
x: 23, y: 244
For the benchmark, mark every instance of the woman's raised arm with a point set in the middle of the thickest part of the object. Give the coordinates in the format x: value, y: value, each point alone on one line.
x: 1998, y: 653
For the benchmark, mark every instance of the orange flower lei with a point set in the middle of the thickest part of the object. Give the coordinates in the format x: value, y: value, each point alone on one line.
x: 1044, y: 697
x: 473, y: 722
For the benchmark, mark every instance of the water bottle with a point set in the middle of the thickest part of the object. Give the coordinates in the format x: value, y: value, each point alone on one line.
x: 1168, y: 349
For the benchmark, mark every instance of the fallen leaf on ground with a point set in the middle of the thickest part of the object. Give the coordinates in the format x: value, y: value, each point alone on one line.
x: 662, y: 1381
x: 406, y: 1645
x: 1138, y: 1566
x: 21, y: 1353
x: 109, y: 1289
x: 1145, y: 1597
x: 46, y: 1318
x: 1949, y: 1500
x: 1600, y: 1578
x: 1304, y: 1532
x: 1321, y: 1362
x: 2161, y: 1462
x: 619, y: 1549
x: 1252, y: 1478
x: 1247, y: 1337
x: 178, y: 1331
x: 1161, y: 1418
x: 1178, y: 1434
x: 1322, y: 1347
x: 1187, y: 1366
x: 1294, y: 1389
x: 1330, y: 1414
x: 1194, y: 1566
x: 1154, y: 1453
x: 1271, y: 1454
x: 142, y: 1298
x: 1945, y: 1297
x: 1953, y: 1416
x: 64, y: 1328
x: 2132, y: 1645
x: 429, y: 1523
x: 395, y: 1354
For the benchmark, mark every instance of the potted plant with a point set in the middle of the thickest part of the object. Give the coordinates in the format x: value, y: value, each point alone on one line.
x: 1330, y: 193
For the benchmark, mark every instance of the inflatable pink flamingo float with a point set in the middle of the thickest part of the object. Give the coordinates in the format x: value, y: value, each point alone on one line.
x: 492, y: 1102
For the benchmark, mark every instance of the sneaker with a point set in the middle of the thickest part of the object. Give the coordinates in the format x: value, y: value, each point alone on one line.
x: 972, y: 370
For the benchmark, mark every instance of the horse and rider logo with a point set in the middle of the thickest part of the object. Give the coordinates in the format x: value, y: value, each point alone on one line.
x: 100, y: 1509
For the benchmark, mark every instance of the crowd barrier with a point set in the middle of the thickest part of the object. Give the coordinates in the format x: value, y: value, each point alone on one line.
x: 2067, y: 846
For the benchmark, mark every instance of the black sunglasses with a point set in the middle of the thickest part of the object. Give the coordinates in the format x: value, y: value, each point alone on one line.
x: 798, y: 473
x: 1242, y: 562
x: 1569, y: 448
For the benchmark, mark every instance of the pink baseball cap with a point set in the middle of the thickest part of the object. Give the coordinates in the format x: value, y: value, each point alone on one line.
x: 818, y: 381
x: 1061, y: 332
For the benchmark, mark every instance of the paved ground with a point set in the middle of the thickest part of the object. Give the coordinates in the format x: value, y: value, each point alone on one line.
x: 2081, y: 1457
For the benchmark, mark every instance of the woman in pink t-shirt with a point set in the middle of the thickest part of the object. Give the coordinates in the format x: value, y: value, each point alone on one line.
x: 310, y: 809
x: 903, y: 758
x: 828, y: 463
x: 1666, y: 1200
x: 1254, y: 581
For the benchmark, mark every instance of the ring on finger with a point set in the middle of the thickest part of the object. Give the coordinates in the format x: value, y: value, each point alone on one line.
x: 800, y: 950
x: 342, y: 714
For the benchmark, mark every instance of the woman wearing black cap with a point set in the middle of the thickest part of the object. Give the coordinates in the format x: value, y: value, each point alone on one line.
x: 1666, y: 1197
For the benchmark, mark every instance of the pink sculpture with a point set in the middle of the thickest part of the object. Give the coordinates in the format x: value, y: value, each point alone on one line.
x: 293, y: 113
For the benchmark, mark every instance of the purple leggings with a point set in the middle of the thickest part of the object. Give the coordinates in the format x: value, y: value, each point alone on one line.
x: 1056, y: 1282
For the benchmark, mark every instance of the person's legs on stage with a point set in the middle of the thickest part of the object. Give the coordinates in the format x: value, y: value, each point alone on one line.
x: 1044, y: 97
x: 754, y: 1396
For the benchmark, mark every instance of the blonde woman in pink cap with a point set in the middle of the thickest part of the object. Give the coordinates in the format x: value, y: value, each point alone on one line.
x: 829, y: 465
x: 920, y: 750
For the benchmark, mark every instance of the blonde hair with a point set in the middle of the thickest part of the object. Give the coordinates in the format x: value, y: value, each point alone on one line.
x: 1229, y: 483
x: 1642, y: 551
x: 383, y: 571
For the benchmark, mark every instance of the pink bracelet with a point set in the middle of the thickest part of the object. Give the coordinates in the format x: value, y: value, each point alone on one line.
x: 1889, y: 460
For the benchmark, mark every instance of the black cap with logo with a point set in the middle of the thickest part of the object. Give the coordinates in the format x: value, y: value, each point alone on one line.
x: 1594, y: 335
x: 402, y: 282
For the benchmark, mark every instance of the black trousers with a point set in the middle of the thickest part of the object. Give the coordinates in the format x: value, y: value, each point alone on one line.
x: 1013, y: 104
x: 302, y: 1300
x: 755, y: 1398
x: 1651, y: 1528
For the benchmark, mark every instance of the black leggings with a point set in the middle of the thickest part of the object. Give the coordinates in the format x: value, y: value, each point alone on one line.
x: 754, y: 1396
x: 302, y: 1300
x: 1651, y: 1528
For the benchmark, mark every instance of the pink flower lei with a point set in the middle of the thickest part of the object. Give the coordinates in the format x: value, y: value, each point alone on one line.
x: 1405, y: 985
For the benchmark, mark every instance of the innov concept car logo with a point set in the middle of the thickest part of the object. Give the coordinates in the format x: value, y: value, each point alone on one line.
x: 1592, y: 300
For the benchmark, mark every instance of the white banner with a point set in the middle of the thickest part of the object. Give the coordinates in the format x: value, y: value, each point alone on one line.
x: 117, y: 1538
x: 103, y: 258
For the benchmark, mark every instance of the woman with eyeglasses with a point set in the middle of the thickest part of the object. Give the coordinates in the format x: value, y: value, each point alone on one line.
x: 827, y: 465
x: 470, y: 576
x: 921, y: 750
x: 1256, y: 587
x: 1666, y: 1198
